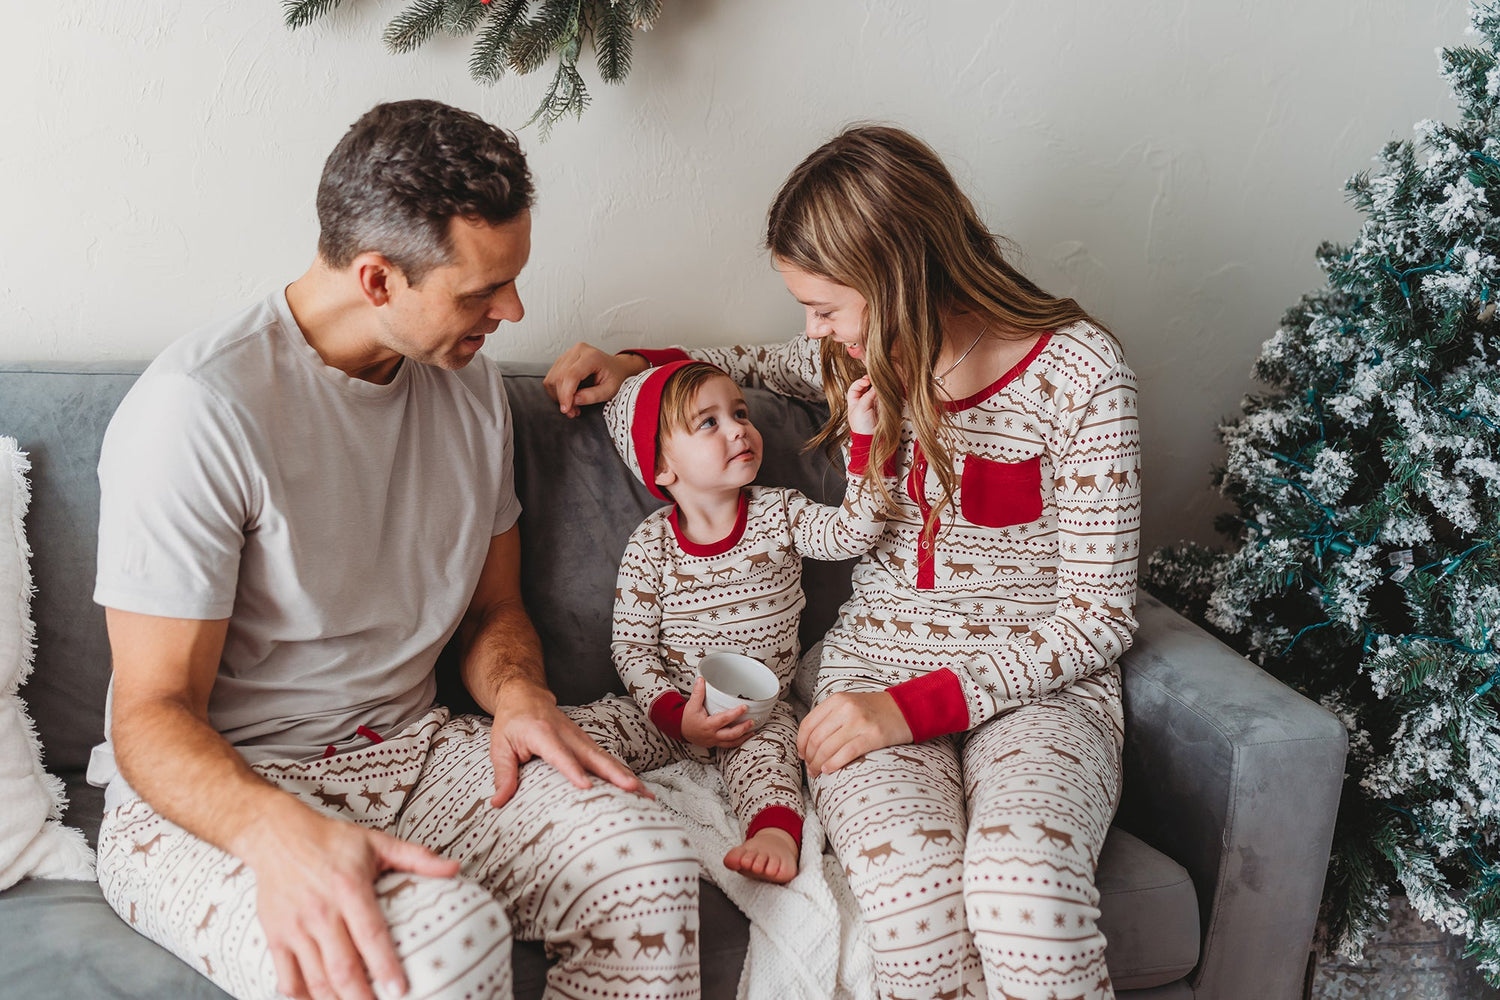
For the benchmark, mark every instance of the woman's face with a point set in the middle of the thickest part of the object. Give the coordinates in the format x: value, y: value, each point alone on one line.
x: 833, y: 310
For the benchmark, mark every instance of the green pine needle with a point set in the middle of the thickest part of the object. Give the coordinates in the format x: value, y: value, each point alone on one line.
x: 300, y: 13
x: 414, y: 25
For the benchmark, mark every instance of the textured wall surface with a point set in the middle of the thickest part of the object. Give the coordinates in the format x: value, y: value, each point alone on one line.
x: 1171, y: 164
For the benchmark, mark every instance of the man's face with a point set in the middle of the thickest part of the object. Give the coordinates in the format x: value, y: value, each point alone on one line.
x: 443, y: 321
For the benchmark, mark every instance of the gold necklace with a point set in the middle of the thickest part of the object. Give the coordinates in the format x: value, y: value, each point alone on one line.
x: 938, y: 379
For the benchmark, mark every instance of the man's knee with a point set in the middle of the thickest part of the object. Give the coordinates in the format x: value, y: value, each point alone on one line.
x: 452, y: 936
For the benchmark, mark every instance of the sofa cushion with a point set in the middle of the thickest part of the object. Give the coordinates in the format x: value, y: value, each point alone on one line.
x: 1148, y: 913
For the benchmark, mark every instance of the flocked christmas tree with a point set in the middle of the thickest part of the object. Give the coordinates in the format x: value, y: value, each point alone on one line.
x: 1366, y: 566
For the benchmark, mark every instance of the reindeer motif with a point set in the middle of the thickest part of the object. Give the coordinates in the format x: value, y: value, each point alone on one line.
x: 1009, y: 754
x: 600, y: 945
x: 676, y: 656
x: 1058, y: 837
x: 755, y: 559
x: 881, y: 851
x: 1064, y: 755
x: 958, y: 569
x: 1080, y: 603
x: 876, y: 623
x: 1103, y: 984
x: 146, y: 847
x: 683, y: 579
x: 1036, y: 639
x: 689, y: 936
x: 902, y: 627
x: 722, y: 572
x: 931, y: 837
x: 649, y: 944
x: 207, y: 919
x: 397, y: 889
x: 471, y: 811
x: 913, y: 761
x: 1053, y: 996
x: 536, y: 839
x: 332, y: 801
x: 934, y: 630
x: 1054, y: 667
x: 977, y: 630
x: 1046, y: 385
x: 1001, y: 830
x: 132, y: 913
x: 208, y: 967
x: 896, y: 562
x: 372, y: 797
x: 1081, y: 481
x: 1118, y: 477
x: 643, y: 597
x: 239, y: 870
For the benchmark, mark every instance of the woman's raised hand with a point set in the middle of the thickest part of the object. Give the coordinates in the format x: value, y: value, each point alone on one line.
x: 583, y: 374
x: 864, y: 406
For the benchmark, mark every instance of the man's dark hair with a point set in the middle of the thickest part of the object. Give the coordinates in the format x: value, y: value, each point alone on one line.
x: 403, y: 171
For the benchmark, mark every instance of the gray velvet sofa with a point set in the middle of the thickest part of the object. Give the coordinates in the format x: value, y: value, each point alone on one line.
x: 1210, y: 877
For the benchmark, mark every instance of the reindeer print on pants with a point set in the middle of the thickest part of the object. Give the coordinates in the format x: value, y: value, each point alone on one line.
x: 582, y: 870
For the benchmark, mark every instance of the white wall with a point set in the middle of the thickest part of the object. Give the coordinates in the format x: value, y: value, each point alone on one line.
x: 1170, y: 164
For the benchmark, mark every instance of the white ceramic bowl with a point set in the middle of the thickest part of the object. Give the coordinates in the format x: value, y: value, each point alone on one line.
x: 736, y: 679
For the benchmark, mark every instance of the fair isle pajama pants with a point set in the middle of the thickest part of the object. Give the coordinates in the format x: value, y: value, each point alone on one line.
x: 973, y: 859
x: 763, y: 775
x: 603, y: 877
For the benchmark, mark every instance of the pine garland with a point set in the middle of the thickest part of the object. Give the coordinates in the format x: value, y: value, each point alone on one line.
x: 1366, y: 566
x: 520, y: 36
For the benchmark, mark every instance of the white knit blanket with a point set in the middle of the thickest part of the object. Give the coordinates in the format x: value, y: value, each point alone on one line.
x: 807, y: 939
x: 33, y: 841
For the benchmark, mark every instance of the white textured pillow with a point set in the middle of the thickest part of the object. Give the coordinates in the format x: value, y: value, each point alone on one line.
x: 33, y: 840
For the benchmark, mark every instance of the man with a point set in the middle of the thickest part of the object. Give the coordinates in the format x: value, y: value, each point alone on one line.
x: 299, y: 507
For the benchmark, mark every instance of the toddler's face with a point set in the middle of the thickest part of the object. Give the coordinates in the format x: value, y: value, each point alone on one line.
x: 719, y: 450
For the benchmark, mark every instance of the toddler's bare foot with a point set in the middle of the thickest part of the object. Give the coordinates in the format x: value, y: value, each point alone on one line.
x: 770, y: 855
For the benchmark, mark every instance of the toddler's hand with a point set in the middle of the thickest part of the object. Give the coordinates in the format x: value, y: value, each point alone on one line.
x: 864, y: 411
x: 727, y: 729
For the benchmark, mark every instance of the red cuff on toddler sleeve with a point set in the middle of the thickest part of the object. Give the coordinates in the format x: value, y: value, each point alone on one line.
x: 666, y: 712
x: 932, y: 704
x: 777, y: 817
x: 660, y: 356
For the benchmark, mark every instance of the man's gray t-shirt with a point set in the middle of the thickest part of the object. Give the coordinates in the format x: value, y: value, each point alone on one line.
x: 339, y: 525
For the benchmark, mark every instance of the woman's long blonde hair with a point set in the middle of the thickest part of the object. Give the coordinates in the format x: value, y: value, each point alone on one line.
x: 874, y: 209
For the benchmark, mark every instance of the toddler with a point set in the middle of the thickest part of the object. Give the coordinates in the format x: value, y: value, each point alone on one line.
x: 720, y: 568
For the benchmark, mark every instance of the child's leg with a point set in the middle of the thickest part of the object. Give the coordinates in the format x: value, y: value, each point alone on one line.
x: 764, y: 777
x: 624, y: 729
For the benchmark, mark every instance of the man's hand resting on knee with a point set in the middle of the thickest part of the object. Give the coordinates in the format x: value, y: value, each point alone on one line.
x: 529, y: 724
x: 315, y: 897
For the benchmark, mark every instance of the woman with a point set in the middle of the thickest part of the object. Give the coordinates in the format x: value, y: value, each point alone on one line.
x: 964, y: 747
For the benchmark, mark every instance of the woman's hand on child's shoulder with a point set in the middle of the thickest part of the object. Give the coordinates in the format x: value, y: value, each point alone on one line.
x: 864, y: 411
x: 727, y: 729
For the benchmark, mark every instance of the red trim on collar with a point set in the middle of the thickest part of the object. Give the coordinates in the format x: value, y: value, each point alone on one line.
x: 724, y: 544
x: 1004, y: 380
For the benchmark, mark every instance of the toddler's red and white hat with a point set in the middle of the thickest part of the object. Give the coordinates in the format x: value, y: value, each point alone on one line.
x: 633, y: 417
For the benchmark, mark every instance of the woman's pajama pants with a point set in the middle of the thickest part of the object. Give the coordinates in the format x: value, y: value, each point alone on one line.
x: 973, y: 857
x: 603, y: 877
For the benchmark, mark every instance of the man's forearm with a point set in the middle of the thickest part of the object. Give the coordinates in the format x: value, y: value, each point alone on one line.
x: 500, y: 647
x: 192, y: 776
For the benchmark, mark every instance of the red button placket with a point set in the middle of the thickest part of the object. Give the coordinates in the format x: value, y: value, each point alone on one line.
x: 916, y: 481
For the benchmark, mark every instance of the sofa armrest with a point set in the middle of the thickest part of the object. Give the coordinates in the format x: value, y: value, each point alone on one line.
x: 1237, y: 777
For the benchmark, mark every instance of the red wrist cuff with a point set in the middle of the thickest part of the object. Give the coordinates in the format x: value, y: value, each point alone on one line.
x: 666, y: 712
x: 779, y: 818
x: 932, y: 704
x: 658, y: 356
x: 859, y: 453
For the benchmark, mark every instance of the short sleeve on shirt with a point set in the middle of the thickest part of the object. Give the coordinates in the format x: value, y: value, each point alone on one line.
x: 175, y: 502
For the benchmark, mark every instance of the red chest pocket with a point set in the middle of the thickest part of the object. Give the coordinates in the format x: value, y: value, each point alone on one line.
x: 999, y: 494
